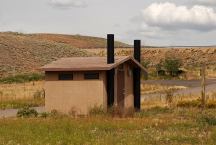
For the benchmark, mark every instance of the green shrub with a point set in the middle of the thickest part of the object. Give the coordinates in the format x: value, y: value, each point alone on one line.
x: 27, y: 112
x: 172, y: 66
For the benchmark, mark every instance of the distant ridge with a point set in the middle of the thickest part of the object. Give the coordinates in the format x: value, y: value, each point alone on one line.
x: 77, y: 41
x: 210, y: 46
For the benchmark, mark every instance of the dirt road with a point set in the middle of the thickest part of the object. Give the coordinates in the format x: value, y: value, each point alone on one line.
x: 193, y: 87
x: 190, y: 83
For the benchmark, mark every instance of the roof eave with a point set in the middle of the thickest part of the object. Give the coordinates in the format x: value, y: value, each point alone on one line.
x: 74, y: 69
x: 133, y: 60
x: 111, y: 66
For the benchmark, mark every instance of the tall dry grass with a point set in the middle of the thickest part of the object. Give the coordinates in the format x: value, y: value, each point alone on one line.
x: 21, y: 94
x: 154, y: 88
x: 20, y: 91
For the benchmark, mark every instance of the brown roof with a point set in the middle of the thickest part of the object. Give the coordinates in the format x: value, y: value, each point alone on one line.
x: 88, y: 63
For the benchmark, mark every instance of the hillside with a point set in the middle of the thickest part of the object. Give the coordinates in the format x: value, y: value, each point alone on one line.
x: 77, y: 41
x: 190, y: 57
x: 24, y: 53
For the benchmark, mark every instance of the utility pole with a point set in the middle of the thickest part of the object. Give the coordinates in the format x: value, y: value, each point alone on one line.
x: 203, y: 85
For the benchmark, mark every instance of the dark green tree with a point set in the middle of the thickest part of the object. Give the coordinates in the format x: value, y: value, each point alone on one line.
x: 159, y: 68
x: 172, y: 66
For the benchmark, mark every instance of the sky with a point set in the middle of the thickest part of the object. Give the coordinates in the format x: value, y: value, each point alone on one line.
x: 155, y: 22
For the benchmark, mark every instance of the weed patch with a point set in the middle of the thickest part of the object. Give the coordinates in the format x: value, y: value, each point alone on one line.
x: 27, y: 112
x: 22, y: 78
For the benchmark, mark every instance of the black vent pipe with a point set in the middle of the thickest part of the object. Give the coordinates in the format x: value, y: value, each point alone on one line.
x: 110, y: 73
x: 110, y: 48
x: 137, y: 75
x: 137, y: 50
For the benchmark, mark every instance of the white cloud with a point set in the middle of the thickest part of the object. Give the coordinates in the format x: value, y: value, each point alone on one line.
x: 64, y: 4
x: 172, y: 17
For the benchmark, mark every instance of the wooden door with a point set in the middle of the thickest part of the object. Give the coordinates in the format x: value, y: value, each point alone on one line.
x: 120, y: 88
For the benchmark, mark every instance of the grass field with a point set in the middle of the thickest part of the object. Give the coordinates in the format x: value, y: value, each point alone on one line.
x: 151, y: 126
x: 156, y: 126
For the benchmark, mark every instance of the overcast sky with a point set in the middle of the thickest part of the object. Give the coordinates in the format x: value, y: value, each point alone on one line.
x: 155, y: 22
